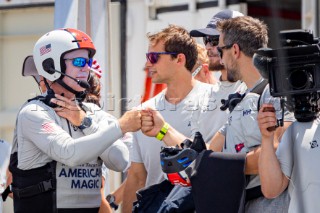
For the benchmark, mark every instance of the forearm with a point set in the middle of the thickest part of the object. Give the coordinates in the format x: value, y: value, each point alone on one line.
x: 104, y: 206
x: 217, y: 142
x: 173, y: 137
x: 273, y: 181
x: 133, y: 184
x: 73, y: 152
x: 118, y: 194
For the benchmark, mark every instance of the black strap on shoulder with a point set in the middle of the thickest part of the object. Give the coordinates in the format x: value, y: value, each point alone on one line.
x: 259, y: 90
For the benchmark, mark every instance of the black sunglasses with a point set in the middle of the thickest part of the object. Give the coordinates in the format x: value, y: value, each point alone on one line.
x: 153, y: 57
x: 220, y: 49
x: 212, y: 40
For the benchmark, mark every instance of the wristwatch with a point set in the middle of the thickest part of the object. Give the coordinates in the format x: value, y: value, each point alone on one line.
x: 86, y: 122
x: 111, y: 200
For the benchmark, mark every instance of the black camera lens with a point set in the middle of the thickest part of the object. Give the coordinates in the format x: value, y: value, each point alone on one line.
x: 301, y: 78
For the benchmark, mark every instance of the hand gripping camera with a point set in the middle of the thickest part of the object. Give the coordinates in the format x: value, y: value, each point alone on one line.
x: 293, y: 72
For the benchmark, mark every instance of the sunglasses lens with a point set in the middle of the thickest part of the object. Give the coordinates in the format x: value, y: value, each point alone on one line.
x: 90, y: 62
x: 213, y: 41
x: 79, y: 62
x: 152, y: 57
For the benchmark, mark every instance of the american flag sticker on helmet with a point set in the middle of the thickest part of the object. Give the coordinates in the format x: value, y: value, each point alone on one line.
x: 45, y: 49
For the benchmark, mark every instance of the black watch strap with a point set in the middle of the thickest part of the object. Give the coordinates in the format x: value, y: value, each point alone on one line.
x: 110, y: 198
x: 114, y: 206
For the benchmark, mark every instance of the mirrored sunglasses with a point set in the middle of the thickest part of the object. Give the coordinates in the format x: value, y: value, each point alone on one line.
x: 153, y: 57
x: 212, y: 40
x: 80, y: 62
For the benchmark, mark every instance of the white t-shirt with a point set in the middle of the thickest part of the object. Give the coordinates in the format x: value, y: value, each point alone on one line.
x: 299, y: 157
x: 198, y: 111
x: 5, y: 149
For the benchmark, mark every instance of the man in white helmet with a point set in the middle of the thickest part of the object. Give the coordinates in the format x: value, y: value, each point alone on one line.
x: 59, y: 141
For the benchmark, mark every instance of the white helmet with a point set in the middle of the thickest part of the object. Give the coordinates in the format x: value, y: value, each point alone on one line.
x: 49, y: 50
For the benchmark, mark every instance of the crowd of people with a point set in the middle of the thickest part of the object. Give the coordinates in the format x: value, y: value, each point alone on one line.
x: 64, y: 143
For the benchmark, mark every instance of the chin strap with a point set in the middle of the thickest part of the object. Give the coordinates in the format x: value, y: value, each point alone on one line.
x: 79, y: 95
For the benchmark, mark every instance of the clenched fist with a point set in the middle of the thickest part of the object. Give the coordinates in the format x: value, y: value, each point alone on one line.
x: 130, y: 121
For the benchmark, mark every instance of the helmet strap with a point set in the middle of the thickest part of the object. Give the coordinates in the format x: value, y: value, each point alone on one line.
x: 79, y: 95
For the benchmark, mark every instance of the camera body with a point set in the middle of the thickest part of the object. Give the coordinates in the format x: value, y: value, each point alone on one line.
x: 293, y: 72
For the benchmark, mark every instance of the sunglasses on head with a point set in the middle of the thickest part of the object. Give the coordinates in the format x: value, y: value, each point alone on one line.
x: 220, y: 49
x: 212, y: 40
x: 153, y: 57
x: 80, y: 62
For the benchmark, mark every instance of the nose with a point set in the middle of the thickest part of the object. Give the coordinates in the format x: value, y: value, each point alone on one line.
x: 86, y: 68
x: 208, y: 46
x: 148, y: 63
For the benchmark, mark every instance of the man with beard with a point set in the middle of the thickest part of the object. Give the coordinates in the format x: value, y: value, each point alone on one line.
x: 240, y: 37
x: 210, y: 37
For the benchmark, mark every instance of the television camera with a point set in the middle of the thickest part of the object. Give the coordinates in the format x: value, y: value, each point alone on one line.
x: 293, y: 71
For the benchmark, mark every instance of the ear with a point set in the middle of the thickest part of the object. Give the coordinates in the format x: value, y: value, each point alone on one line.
x: 181, y: 59
x: 236, y: 50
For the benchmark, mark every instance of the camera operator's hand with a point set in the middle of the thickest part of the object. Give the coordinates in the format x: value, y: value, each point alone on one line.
x: 266, y: 119
x: 152, y: 122
x: 68, y: 109
x: 130, y: 121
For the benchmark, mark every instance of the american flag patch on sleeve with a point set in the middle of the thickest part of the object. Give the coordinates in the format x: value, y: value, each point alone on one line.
x: 45, y: 49
x: 48, y: 127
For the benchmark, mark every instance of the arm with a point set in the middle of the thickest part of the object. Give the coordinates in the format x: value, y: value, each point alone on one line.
x: 41, y: 128
x: 152, y: 122
x: 136, y: 180
x: 116, y: 157
x: 118, y: 193
x: 104, y: 206
x: 273, y: 181
x: 252, y: 158
x: 217, y: 142
x: 9, y: 181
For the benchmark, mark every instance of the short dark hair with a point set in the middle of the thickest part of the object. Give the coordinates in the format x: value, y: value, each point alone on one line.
x: 177, y: 39
x: 249, y: 33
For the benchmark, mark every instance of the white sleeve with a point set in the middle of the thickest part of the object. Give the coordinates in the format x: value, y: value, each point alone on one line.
x: 116, y: 157
x: 40, y: 127
x: 285, y: 151
x: 135, y: 152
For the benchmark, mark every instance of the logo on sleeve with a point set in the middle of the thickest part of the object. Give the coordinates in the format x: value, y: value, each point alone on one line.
x: 314, y: 144
x: 239, y: 147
